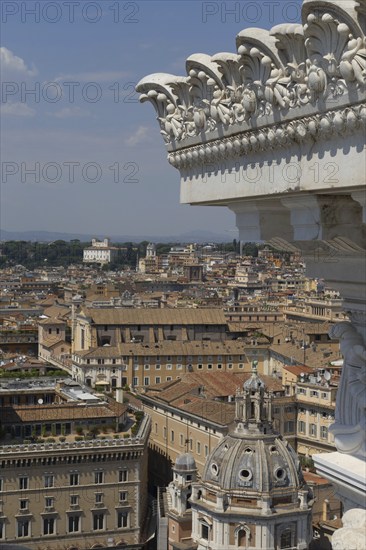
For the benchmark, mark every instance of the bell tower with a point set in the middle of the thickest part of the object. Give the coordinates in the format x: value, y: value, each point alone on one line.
x: 179, y: 492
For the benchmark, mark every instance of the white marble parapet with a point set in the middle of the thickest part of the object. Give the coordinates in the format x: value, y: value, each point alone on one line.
x: 348, y: 475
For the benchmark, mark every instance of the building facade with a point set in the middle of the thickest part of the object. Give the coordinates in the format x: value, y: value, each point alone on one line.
x: 100, y: 252
x: 62, y: 484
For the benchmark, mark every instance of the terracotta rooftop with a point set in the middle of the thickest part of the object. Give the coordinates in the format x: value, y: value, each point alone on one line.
x: 73, y: 413
x: 153, y: 316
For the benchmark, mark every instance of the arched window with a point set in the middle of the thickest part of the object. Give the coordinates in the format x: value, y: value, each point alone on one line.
x: 286, y: 539
x: 242, y: 536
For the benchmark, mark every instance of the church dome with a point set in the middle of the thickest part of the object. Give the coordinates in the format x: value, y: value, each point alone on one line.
x: 185, y: 463
x: 264, y: 464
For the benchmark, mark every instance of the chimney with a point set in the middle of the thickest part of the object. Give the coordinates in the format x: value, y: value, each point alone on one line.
x: 325, y: 510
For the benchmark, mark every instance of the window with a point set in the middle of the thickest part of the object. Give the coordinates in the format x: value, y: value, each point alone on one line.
x: 1, y: 484
x: 74, y: 500
x: 199, y: 366
x: 157, y: 379
x: 2, y: 529
x: 206, y: 450
x: 301, y: 426
x: 74, y: 524
x: 158, y: 367
x: 169, y: 366
x: 324, y: 432
x: 205, y: 529
x: 181, y: 440
x: 198, y: 447
x: 122, y: 520
x: 209, y: 366
x: 286, y: 539
x: 168, y: 378
x: 172, y: 436
x: 74, y: 479
x: 122, y: 476
x: 135, y: 381
x: 23, y: 528
x: 146, y: 380
x: 123, y: 496
x: 289, y: 426
x: 48, y: 526
x: 147, y: 367
x: 98, y: 498
x: 230, y: 366
x: 48, y: 502
x: 164, y: 432
x: 23, y: 504
x: 49, y: 480
x: 23, y: 484
x: 313, y: 430
x: 242, y: 537
x: 98, y: 477
x: 314, y: 393
x: 241, y: 365
x: 98, y: 522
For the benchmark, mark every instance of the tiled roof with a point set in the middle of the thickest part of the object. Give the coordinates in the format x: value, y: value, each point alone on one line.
x: 153, y: 316
x: 73, y: 413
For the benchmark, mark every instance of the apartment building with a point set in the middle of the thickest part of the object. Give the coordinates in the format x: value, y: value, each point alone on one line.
x: 136, y: 364
x: 315, y: 309
x: 71, y: 491
x: 315, y: 393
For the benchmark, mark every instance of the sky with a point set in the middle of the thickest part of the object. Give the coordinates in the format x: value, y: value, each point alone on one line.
x: 79, y: 153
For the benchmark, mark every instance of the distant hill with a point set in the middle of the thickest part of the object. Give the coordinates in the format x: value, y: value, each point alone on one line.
x: 198, y: 236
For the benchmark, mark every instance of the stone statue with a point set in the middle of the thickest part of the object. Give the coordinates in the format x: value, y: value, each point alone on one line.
x: 350, y: 418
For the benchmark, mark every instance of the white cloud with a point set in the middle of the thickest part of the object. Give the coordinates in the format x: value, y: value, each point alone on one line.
x: 139, y: 136
x: 13, y: 64
x: 70, y: 112
x: 101, y: 76
x: 16, y: 109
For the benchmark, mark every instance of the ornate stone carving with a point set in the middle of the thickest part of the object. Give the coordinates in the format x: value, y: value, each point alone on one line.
x: 349, y: 427
x: 314, y: 128
x: 273, y: 77
x: 352, y: 534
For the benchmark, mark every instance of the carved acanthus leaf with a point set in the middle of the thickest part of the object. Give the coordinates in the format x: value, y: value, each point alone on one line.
x: 274, y: 74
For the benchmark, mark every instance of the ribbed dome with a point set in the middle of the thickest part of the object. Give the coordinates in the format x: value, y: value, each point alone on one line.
x: 185, y: 462
x: 261, y: 463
